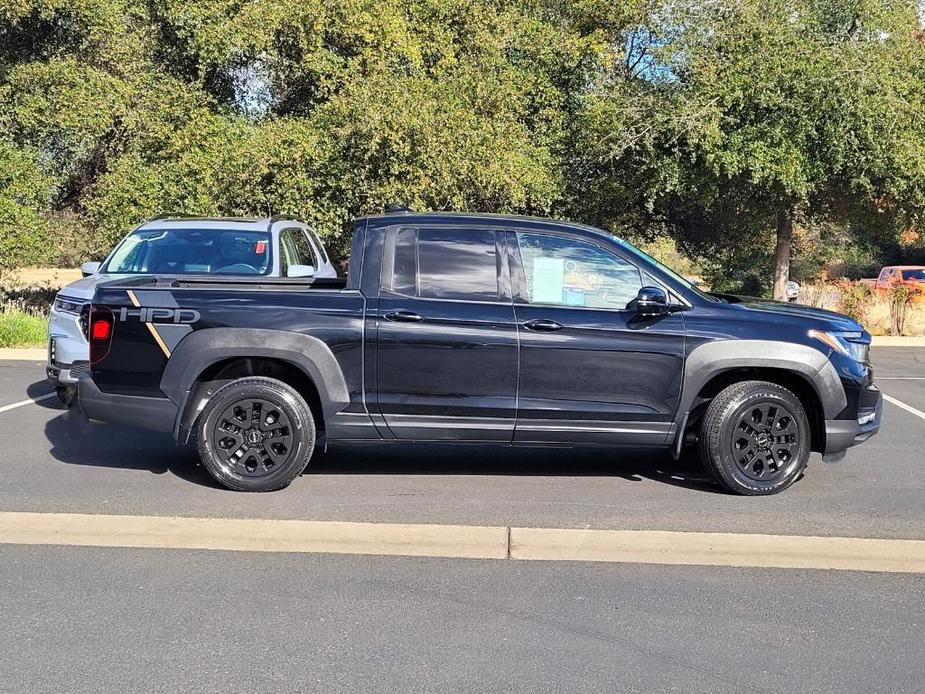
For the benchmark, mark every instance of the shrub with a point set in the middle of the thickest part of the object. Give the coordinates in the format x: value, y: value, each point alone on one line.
x: 901, y: 297
x: 854, y: 296
x: 874, y: 310
x: 20, y: 328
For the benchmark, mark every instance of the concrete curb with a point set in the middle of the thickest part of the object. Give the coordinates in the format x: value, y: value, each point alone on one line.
x: 466, y: 542
x: 23, y: 354
x: 890, y: 341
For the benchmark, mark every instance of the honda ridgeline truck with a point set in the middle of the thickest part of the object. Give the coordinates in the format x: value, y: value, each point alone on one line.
x: 476, y: 328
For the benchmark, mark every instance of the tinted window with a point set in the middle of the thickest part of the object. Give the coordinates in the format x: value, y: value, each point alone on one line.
x: 315, y: 240
x: 457, y: 264
x: 191, y: 251
x: 567, y: 272
x: 405, y: 267
x: 917, y: 275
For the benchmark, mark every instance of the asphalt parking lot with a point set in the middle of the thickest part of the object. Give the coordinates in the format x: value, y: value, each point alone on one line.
x: 61, y: 463
x: 119, y: 619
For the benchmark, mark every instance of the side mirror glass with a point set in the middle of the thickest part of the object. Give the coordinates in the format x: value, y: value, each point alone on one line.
x: 652, y: 301
x: 300, y: 271
x: 88, y: 269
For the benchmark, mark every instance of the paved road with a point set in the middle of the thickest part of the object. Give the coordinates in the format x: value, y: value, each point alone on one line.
x: 119, y: 620
x: 89, y: 619
x: 58, y: 462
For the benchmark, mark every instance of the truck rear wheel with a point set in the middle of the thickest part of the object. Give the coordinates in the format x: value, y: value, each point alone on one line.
x: 256, y: 434
x: 755, y: 438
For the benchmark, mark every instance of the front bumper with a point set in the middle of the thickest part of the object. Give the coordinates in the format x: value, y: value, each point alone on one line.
x: 62, y: 374
x: 842, y: 434
x: 68, y: 349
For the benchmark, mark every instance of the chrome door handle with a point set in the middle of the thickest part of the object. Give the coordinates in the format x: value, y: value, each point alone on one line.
x: 542, y: 325
x: 404, y: 317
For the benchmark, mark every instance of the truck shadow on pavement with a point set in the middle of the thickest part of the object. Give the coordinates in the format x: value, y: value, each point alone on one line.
x: 633, y: 465
x: 76, y: 441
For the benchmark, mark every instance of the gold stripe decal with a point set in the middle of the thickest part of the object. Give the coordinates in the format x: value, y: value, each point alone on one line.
x: 151, y: 329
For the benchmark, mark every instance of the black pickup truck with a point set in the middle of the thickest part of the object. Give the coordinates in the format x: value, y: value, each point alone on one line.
x: 464, y: 328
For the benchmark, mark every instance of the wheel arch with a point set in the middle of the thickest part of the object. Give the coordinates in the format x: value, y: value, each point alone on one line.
x: 805, y: 371
x: 207, y: 358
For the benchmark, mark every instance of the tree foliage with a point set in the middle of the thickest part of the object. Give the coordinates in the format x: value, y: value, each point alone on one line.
x: 702, y: 121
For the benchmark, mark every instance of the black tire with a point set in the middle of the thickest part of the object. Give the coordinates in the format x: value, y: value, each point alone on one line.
x: 755, y: 438
x: 255, y: 435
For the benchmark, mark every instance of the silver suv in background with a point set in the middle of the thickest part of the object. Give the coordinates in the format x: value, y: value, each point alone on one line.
x: 169, y: 244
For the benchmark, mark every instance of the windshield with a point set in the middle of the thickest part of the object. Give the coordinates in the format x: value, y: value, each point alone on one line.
x: 680, y: 279
x: 192, y: 252
x: 916, y: 275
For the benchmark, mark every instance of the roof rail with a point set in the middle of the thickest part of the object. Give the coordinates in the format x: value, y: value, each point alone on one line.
x: 170, y: 215
x: 397, y: 207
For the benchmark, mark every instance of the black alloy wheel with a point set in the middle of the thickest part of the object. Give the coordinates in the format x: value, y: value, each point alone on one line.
x: 755, y: 438
x: 256, y: 434
x: 764, y: 441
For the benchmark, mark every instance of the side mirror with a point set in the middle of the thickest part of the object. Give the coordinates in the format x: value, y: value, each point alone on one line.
x: 300, y: 271
x: 88, y: 269
x: 652, y: 301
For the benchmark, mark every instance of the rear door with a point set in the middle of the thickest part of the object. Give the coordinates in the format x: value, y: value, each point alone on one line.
x: 591, y: 369
x: 447, y: 342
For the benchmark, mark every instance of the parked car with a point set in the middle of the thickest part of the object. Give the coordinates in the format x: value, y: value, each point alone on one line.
x: 166, y: 245
x: 911, y: 275
x: 478, y: 328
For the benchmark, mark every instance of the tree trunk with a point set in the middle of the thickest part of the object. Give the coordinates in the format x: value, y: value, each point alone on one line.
x: 782, y: 252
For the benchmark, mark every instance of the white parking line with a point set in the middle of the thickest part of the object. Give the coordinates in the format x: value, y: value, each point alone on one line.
x: 907, y: 408
x: 7, y: 408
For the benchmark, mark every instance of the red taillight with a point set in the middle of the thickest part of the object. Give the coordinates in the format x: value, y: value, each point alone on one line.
x: 101, y: 329
x: 101, y: 324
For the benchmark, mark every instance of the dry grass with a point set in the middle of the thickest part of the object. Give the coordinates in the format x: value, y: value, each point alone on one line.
x: 875, y: 309
x: 55, y: 277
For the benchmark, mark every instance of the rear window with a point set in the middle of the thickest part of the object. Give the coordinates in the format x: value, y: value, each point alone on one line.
x: 193, y: 252
x: 446, y: 264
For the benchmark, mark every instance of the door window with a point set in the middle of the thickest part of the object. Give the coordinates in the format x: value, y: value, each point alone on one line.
x: 446, y: 264
x: 295, y: 249
x: 568, y: 272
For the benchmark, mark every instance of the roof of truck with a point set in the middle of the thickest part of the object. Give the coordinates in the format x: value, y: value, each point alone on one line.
x: 412, y: 216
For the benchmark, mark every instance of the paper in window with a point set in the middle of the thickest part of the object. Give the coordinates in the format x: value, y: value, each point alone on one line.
x: 548, y: 280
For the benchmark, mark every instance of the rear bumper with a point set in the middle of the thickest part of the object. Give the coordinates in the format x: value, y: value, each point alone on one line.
x: 155, y: 414
x: 842, y: 434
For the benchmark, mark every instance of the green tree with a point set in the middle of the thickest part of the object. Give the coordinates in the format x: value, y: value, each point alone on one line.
x: 748, y: 117
x: 24, y: 194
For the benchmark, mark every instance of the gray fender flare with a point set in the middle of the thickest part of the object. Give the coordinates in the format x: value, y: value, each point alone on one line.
x: 203, y: 348
x: 712, y: 358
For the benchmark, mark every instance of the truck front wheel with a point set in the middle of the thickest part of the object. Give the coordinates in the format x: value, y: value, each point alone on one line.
x: 755, y: 438
x: 256, y: 434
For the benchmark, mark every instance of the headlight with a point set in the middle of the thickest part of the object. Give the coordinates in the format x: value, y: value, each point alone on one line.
x: 66, y: 305
x: 851, y: 344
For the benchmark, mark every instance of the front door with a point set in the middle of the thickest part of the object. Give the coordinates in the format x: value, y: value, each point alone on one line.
x: 591, y: 369
x: 447, y: 342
